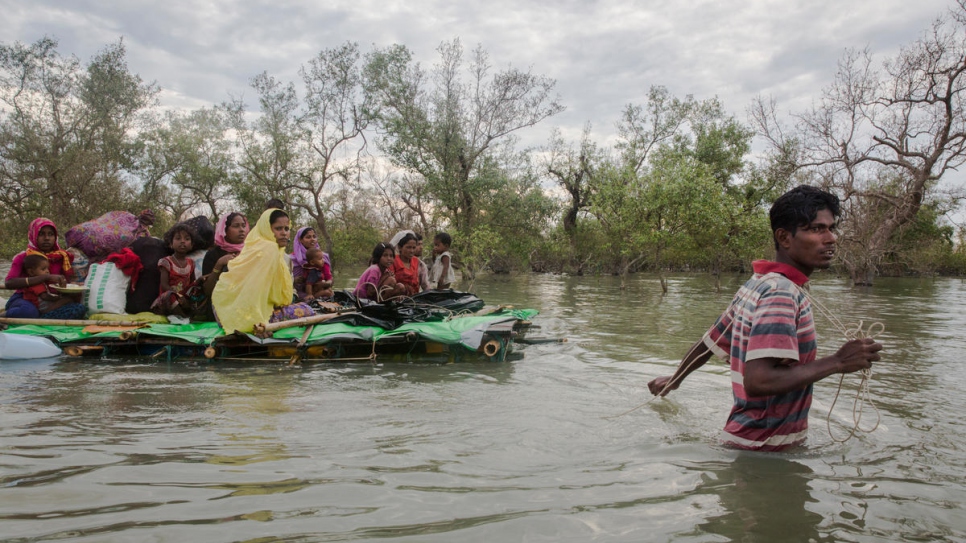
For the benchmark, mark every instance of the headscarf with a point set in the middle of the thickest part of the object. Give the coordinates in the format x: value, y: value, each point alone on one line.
x: 258, y: 280
x: 57, y: 255
x: 399, y: 236
x: 220, y: 240
x: 299, y: 251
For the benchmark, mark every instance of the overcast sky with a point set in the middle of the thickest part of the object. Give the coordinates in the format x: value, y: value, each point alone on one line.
x: 603, y: 54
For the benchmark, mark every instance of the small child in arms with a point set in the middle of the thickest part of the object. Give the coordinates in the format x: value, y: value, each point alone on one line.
x: 37, y: 267
x: 316, y: 285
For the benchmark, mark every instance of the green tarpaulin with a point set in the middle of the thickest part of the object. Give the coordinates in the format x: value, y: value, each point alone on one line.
x: 467, y: 331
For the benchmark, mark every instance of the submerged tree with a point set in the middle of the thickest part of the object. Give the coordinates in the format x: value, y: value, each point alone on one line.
x: 572, y: 168
x: 883, y: 136
x: 677, y: 193
x: 445, y: 123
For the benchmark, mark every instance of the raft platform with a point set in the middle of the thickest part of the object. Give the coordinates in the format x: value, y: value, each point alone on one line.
x: 485, y: 335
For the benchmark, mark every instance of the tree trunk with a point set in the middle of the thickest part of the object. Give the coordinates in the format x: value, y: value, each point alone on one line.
x: 325, y: 237
x: 863, y: 276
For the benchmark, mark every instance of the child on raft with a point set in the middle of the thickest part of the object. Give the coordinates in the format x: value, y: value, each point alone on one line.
x: 316, y: 285
x: 177, y: 273
x: 49, y: 304
x: 306, y: 240
x: 378, y: 283
x: 441, y: 274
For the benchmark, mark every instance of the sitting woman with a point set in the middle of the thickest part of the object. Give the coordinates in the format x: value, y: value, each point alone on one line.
x: 258, y: 287
x: 377, y: 283
x: 41, y: 240
x: 306, y: 240
x: 229, y: 239
x: 406, y: 266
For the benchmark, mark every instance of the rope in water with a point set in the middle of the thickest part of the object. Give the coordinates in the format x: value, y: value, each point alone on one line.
x: 863, y: 394
x: 671, y: 382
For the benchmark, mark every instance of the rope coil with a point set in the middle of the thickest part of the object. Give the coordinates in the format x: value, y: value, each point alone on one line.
x: 863, y: 393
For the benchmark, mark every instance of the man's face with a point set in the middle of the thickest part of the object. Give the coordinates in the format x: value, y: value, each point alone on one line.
x: 812, y: 246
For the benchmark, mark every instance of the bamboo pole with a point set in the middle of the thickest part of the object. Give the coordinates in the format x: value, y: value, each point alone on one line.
x: 271, y: 327
x: 65, y: 322
x: 297, y: 357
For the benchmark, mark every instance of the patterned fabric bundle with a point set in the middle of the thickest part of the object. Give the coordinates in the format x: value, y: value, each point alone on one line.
x: 106, y: 234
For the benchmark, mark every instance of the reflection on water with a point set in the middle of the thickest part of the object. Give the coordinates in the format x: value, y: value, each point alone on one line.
x: 142, y: 450
x: 752, y: 491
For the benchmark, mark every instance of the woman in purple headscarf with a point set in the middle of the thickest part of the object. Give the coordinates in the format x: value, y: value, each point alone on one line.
x: 306, y: 239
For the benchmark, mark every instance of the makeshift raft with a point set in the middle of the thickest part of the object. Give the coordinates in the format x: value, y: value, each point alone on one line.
x: 488, y: 334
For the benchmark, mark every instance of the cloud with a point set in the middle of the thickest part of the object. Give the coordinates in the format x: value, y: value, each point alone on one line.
x: 604, y: 54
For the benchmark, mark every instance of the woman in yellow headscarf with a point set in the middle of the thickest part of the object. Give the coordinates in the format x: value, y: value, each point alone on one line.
x: 259, y: 280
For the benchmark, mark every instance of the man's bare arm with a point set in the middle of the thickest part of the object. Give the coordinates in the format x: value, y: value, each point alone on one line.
x: 771, y: 376
x: 696, y: 357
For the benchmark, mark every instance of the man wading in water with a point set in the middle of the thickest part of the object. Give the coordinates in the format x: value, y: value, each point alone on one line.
x: 768, y: 335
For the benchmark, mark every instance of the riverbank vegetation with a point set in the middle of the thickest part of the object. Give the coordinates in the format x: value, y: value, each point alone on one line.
x: 370, y: 142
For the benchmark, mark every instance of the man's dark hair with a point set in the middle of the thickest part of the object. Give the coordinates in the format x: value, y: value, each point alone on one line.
x: 275, y: 203
x: 799, y: 207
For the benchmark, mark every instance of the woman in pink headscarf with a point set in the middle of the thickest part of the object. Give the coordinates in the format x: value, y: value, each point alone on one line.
x: 41, y: 240
x: 229, y: 239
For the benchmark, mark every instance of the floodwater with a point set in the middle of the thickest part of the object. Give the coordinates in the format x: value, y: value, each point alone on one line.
x: 526, y: 450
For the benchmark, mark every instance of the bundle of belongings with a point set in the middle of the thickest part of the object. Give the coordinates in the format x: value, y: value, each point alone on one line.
x: 428, y: 306
x: 116, y: 257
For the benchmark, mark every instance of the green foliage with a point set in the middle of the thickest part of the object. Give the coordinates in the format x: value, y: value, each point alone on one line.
x: 676, y: 191
x: 187, y: 162
x: 447, y: 125
x: 353, y: 246
x: 673, y: 197
x: 66, y: 148
x: 923, y: 247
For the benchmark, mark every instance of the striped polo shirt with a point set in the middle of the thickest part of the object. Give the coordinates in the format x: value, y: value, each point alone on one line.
x: 769, y: 317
